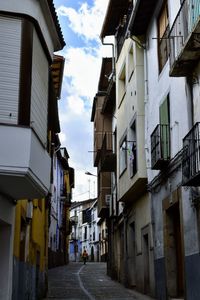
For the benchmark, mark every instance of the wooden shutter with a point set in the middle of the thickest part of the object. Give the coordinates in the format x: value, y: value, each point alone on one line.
x: 164, y: 129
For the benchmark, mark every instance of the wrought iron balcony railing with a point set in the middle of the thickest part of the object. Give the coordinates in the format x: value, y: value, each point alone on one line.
x: 191, y: 157
x: 160, y: 146
x: 184, y: 38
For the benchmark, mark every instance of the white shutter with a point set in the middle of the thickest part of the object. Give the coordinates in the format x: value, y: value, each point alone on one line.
x: 39, y: 90
x: 10, y: 48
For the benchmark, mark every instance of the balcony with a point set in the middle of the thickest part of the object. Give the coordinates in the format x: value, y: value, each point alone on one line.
x: 141, y: 16
x: 191, y: 157
x: 184, y: 39
x: 98, y: 138
x: 66, y: 197
x: 110, y: 98
x: 103, y: 207
x: 160, y: 147
x: 122, y: 29
x: 107, y: 157
x: 24, y: 164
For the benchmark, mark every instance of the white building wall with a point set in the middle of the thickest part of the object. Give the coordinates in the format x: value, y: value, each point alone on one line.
x: 159, y: 86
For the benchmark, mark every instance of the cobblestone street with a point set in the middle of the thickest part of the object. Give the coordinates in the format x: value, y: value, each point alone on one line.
x: 77, y: 281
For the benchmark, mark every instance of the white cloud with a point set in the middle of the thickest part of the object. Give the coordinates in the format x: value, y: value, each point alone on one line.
x: 76, y: 104
x: 81, y: 76
x: 62, y: 137
x: 87, y: 21
x: 82, y: 67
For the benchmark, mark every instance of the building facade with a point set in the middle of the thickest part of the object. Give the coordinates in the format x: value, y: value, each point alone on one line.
x: 131, y: 259
x: 157, y: 145
x: 30, y: 33
x: 102, y: 116
x: 171, y: 56
x: 60, y: 202
x: 85, y: 230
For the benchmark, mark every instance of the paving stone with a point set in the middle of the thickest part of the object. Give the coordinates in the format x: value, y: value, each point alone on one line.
x: 88, y: 282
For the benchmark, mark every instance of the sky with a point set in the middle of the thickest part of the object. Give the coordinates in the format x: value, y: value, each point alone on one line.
x: 81, y: 23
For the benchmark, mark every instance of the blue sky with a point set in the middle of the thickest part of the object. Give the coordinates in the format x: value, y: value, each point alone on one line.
x: 81, y: 23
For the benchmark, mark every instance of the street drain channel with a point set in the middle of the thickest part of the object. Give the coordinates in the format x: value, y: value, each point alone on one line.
x: 82, y: 286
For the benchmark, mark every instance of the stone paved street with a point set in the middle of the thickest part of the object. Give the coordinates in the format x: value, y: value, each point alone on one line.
x: 77, y: 281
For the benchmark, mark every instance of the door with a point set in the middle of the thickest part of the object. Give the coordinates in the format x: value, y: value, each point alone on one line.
x: 174, y: 254
x: 132, y: 254
x: 146, y: 263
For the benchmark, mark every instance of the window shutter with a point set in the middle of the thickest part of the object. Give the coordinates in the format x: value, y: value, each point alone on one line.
x: 165, y: 130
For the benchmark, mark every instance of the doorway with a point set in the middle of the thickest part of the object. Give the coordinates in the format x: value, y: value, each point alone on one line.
x: 146, y: 258
x: 173, y: 248
x: 146, y: 264
x: 5, y: 259
x: 132, y: 254
x: 121, y: 254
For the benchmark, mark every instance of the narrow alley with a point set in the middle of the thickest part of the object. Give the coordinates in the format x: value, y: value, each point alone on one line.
x: 78, y: 281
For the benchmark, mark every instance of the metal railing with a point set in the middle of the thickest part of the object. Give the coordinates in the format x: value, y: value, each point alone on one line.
x: 191, y: 157
x: 122, y: 29
x: 160, y: 146
x: 184, y: 23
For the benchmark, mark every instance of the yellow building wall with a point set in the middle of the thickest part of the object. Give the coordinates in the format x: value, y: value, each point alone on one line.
x: 36, y: 230
x: 19, y: 213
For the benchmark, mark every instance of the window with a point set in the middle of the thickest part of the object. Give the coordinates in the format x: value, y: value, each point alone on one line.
x: 86, y: 215
x: 122, y: 157
x: 85, y: 233
x: 163, y: 43
x: 122, y: 85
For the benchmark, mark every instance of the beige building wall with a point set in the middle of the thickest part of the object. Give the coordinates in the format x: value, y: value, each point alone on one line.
x: 134, y: 241
x: 130, y: 109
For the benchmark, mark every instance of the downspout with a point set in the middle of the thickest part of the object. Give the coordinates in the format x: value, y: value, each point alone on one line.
x: 191, y: 109
x: 113, y: 56
x: 146, y: 100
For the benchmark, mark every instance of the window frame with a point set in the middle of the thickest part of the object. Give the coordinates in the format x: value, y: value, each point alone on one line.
x: 162, y: 33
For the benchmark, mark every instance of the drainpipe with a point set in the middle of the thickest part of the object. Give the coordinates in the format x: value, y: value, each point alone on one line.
x: 113, y: 56
x: 191, y: 109
x: 146, y: 88
x: 146, y: 99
